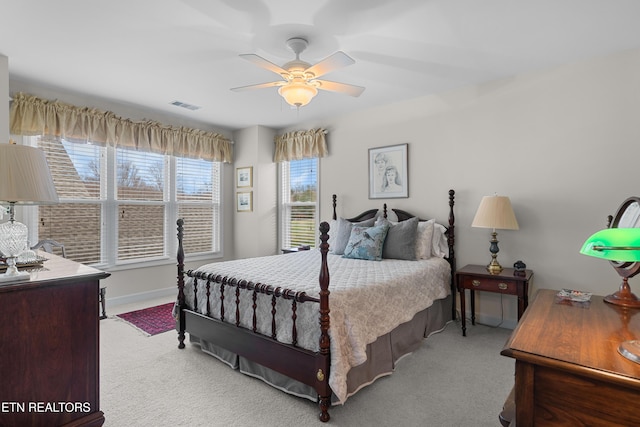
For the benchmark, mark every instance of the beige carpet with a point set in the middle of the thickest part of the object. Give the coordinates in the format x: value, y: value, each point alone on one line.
x: 148, y: 381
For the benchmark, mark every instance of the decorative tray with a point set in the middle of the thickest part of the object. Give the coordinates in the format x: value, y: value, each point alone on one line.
x: 24, y: 263
x: 573, y: 295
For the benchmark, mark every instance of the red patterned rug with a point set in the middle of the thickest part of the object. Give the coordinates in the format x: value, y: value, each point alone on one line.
x: 152, y: 320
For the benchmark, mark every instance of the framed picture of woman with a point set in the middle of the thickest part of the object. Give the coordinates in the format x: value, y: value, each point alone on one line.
x: 388, y: 172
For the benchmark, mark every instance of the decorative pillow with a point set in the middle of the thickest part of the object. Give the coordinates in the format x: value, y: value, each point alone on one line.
x: 439, y: 248
x: 366, y: 242
x: 424, y: 239
x: 401, y: 239
x: 333, y: 230
x: 343, y: 232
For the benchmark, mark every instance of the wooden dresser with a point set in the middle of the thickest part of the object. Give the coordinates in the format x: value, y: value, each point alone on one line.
x: 49, y: 347
x: 568, y: 369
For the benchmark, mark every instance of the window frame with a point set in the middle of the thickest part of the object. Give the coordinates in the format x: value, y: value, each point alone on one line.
x: 284, y: 204
x: 110, y: 210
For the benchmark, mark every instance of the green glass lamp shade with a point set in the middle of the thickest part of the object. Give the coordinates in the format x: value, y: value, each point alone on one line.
x: 614, y: 244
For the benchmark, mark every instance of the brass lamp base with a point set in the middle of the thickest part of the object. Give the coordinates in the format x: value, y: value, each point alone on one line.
x: 624, y: 297
x: 494, y: 267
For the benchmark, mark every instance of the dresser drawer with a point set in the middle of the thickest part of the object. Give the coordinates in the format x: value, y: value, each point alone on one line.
x: 490, y: 284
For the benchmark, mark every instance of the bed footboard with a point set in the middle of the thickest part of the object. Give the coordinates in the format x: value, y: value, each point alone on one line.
x: 224, y: 326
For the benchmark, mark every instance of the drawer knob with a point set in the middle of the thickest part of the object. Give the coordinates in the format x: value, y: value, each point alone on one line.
x: 475, y: 283
x: 502, y: 286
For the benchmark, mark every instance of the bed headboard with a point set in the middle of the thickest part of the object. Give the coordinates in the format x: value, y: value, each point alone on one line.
x: 404, y: 215
x: 371, y: 213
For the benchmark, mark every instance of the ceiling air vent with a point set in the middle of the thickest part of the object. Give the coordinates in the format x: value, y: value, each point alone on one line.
x: 185, y: 105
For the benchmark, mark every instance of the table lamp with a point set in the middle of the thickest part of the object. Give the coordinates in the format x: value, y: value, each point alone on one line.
x: 616, y: 244
x: 623, y: 245
x: 495, y: 212
x: 25, y: 179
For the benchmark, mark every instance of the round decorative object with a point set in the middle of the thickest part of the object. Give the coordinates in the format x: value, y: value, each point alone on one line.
x: 519, y: 265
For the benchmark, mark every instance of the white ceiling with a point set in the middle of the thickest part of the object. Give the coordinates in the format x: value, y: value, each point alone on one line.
x: 149, y: 53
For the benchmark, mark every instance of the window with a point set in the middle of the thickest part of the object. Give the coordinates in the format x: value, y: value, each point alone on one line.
x: 298, y: 203
x: 119, y: 206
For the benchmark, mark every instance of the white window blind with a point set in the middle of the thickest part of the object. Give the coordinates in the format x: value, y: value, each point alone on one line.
x: 140, y: 192
x: 120, y: 205
x: 198, y: 198
x: 299, y: 207
x: 76, y: 221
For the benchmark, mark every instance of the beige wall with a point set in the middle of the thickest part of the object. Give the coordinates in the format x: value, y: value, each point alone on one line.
x: 563, y: 144
x: 255, y: 232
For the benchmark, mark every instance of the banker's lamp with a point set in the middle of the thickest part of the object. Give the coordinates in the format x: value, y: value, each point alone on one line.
x: 620, y: 245
x: 616, y: 244
x: 25, y: 179
x: 495, y: 212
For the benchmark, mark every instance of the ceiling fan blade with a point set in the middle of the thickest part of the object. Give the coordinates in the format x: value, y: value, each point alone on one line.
x: 330, y: 63
x: 258, y: 86
x: 352, y: 90
x: 261, y: 62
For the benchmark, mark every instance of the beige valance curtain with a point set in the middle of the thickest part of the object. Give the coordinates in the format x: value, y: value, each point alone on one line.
x: 34, y: 116
x: 300, y: 145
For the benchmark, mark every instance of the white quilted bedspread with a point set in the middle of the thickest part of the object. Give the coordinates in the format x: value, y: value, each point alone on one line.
x: 368, y: 299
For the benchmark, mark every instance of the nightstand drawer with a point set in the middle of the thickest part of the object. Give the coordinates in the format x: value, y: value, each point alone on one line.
x: 491, y: 285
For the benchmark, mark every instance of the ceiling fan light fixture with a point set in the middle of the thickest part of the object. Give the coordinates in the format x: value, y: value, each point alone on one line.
x: 297, y: 94
x: 300, y: 82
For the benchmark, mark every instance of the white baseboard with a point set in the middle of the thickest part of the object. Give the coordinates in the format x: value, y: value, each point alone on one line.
x: 142, y: 296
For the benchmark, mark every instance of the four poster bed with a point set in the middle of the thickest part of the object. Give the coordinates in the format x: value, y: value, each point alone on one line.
x: 260, y: 315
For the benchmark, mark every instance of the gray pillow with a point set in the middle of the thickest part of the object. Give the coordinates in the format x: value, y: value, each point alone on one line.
x: 343, y: 232
x: 401, y: 240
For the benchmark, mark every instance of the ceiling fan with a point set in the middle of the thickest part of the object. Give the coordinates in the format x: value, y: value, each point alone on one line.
x: 300, y: 82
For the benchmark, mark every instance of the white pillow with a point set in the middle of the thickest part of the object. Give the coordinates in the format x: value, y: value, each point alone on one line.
x: 424, y: 239
x: 439, y: 247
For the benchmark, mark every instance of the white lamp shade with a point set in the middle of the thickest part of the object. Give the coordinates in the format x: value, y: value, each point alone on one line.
x: 495, y: 212
x: 24, y: 176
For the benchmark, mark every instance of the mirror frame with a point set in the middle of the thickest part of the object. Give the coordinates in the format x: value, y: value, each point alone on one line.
x: 624, y: 268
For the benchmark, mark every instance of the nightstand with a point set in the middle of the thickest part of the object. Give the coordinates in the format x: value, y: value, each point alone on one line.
x: 477, y: 278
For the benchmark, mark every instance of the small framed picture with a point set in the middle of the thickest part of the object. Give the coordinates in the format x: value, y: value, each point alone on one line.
x: 244, y: 177
x: 244, y: 201
x: 388, y: 172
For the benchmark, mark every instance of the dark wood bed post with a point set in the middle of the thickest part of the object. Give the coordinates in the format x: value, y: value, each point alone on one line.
x: 180, y: 258
x: 335, y: 203
x: 451, y: 238
x: 324, y: 392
